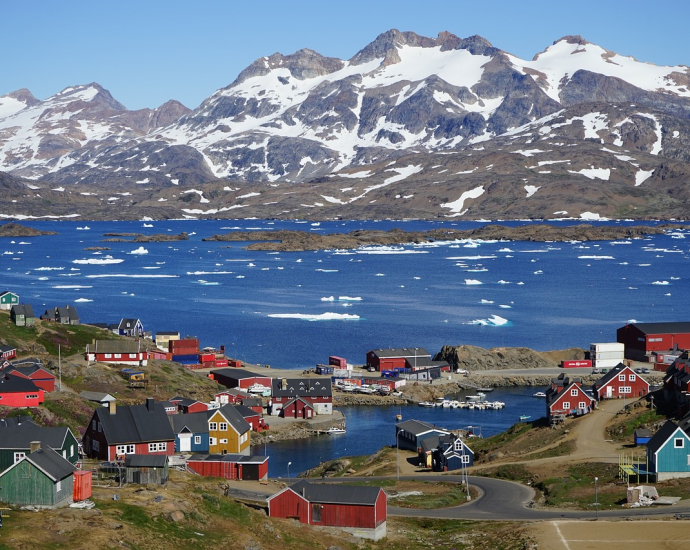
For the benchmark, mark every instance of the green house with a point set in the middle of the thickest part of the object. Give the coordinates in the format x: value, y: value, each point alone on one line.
x: 15, y: 442
x: 8, y: 299
x: 42, y: 478
x: 22, y: 315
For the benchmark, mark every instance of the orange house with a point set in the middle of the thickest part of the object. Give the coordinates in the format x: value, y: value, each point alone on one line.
x: 228, y: 431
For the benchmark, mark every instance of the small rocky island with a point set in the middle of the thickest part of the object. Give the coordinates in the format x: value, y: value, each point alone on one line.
x: 141, y: 238
x: 17, y: 230
x: 298, y: 241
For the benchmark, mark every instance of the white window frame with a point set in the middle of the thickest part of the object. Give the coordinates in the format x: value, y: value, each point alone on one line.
x: 465, y: 459
x: 58, y: 486
x: 223, y: 441
x: 18, y: 457
x: 127, y: 449
x: 211, y: 441
x: 566, y: 405
x: 158, y: 447
x: 223, y: 426
x: 573, y: 392
x: 677, y: 440
x: 631, y: 378
x: 213, y: 426
x: 108, y: 355
x: 197, y: 440
x: 582, y: 405
x: 621, y: 377
x: 625, y: 390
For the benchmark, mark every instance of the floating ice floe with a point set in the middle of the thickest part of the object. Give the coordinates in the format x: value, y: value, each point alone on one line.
x: 380, y: 275
x: 596, y: 258
x: 328, y: 299
x: 148, y: 225
x: 502, y: 282
x: 493, y: 321
x: 140, y: 250
x: 82, y: 300
x: 327, y: 270
x: 350, y: 298
x: 49, y: 269
x: 389, y: 250
x: 125, y: 276
x: 43, y: 278
x: 210, y: 272
x: 473, y: 282
x: 505, y: 306
x: 471, y: 257
x: 99, y: 261
x: 72, y: 287
x: 328, y: 316
x: 663, y: 283
x: 486, y: 301
x: 85, y: 228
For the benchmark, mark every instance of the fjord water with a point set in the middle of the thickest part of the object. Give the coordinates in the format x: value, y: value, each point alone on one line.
x: 262, y: 305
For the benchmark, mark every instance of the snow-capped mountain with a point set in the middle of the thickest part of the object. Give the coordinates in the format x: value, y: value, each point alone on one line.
x: 422, y: 126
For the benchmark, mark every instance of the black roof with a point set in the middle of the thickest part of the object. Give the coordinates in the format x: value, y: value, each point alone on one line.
x: 416, y: 427
x: 238, y: 374
x: 21, y: 435
x: 301, y: 387
x: 145, y: 461
x: 51, y: 463
x: 663, y: 328
x: 643, y: 432
x: 67, y: 311
x: 336, y: 493
x: 193, y: 422
x: 611, y: 374
x: 430, y: 443
x: 662, y: 435
x: 23, y: 309
x: 401, y: 352
x: 245, y: 411
x: 113, y: 346
x: 17, y: 384
x: 3, y: 348
x: 135, y: 424
x: 12, y: 421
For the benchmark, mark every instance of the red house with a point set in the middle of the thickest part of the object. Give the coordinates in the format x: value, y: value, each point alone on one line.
x: 230, y: 396
x: 318, y: 393
x: 185, y: 405
x: 642, y: 339
x: 114, y: 432
x: 8, y: 352
x: 355, y: 509
x: 565, y: 397
x: 116, y: 352
x: 16, y: 391
x: 620, y: 382
x: 239, y: 379
x: 298, y: 407
x: 255, y: 420
x: 39, y: 376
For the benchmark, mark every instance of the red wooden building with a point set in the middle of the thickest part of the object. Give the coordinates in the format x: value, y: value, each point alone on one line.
x: 255, y: 419
x: 186, y: 405
x: 566, y: 397
x: 641, y: 340
x: 318, y: 393
x: 231, y: 396
x: 298, y: 407
x: 116, y: 352
x: 230, y: 466
x: 239, y: 379
x: 114, y: 432
x: 398, y: 358
x: 19, y: 392
x: 355, y: 509
x: 39, y: 376
x: 620, y: 382
x: 8, y: 352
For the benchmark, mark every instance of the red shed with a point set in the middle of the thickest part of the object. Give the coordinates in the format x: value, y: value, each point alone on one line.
x: 230, y: 466
x: 641, y: 339
x: 620, y: 382
x: 39, y: 376
x: 239, y: 378
x: 355, y: 509
x: 16, y: 391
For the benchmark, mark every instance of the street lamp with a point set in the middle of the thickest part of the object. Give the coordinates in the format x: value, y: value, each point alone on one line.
x: 289, y: 469
x: 397, y: 451
x: 596, y: 497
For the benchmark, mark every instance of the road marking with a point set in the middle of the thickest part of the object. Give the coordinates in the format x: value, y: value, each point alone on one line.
x: 558, y: 530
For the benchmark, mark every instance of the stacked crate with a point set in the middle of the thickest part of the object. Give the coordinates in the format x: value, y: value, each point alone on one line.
x: 606, y: 355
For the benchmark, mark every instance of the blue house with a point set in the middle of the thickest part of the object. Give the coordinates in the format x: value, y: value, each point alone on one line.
x: 451, y: 454
x: 411, y: 433
x: 191, y: 432
x: 642, y: 436
x: 668, y: 452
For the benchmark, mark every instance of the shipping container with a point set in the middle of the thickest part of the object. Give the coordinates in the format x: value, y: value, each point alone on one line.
x: 660, y: 367
x: 175, y: 345
x: 203, y: 357
x: 607, y: 355
x: 576, y: 364
x: 606, y: 363
x: 186, y: 351
x: 82, y: 485
x: 324, y: 369
x: 235, y: 364
x: 610, y: 346
x: 342, y: 373
x: 221, y: 363
x: 665, y: 358
x: 337, y: 361
x: 186, y: 359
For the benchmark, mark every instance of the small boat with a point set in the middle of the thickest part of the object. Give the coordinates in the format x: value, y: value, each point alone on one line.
x: 426, y: 404
x: 474, y: 398
x: 539, y: 394
x: 398, y: 417
x: 259, y: 388
x: 524, y: 417
x: 335, y: 431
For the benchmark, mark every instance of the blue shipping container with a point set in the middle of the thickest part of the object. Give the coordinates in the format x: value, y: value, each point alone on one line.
x: 186, y: 359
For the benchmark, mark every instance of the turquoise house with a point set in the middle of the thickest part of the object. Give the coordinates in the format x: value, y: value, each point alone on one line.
x: 668, y: 452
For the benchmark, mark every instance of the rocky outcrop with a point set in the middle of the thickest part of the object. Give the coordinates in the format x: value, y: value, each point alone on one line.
x: 17, y: 230
x: 473, y: 358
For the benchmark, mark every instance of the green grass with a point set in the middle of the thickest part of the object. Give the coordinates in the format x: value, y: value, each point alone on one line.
x: 626, y: 429
x: 511, y: 472
x: 576, y: 488
x: 71, y: 338
x: 455, y: 495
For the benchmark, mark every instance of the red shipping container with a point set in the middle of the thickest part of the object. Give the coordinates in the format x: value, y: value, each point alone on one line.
x: 208, y: 364
x: 576, y: 364
x: 235, y: 364
x: 337, y: 361
x: 221, y: 362
x: 660, y: 367
x: 81, y: 485
x: 203, y: 357
x: 185, y: 351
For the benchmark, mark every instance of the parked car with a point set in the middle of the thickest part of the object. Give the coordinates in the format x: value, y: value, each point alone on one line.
x: 642, y: 371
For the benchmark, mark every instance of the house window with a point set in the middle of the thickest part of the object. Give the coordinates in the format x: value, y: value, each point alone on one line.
x: 621, y: 377
x: 132, y: 355
x: 95, y: 446
x: 18, y: 457
x: 625, y: 389
x: 212, y: 426
x: 631, y: 377
x: 32, y: 396
x: 316, y: 512
x: 211, y: 440
x: 71, y: 450
x: 465, y: 459
x: 458, y: 445
x: 566, y: 405
x: 157, y: 447
x: 573, y: 392
x: 678, y: 443
x: 124, y: 449
x: 108, y: 355
x: 224, y: 441
x: 582, y: 405
x: 118, y: 356
x: 223, y: 426
x: 197, y: 440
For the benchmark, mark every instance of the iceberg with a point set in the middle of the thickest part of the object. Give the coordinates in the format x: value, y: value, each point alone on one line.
x: 493, y: 321
x: 140, y: 250
x: 328, y: 316
x: 473, y: 282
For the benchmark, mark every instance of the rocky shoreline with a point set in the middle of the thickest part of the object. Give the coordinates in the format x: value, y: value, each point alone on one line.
x: 141, y: 238
x: 17, y: 230
x: 299, y: 241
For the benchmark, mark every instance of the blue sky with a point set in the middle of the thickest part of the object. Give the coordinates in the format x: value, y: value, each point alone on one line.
x: 148, y: 51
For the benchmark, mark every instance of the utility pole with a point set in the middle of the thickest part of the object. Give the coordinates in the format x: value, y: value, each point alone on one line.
x: 59, y: 369
x: 596, y: 497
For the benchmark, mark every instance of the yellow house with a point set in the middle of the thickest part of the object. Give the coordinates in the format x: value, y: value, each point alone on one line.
x: 228, y: 431
x: 163, y: 339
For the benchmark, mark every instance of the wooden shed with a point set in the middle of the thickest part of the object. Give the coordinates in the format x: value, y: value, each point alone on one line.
x: 42, y: 478
x: 230, y: 466
x: 146, y: 469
